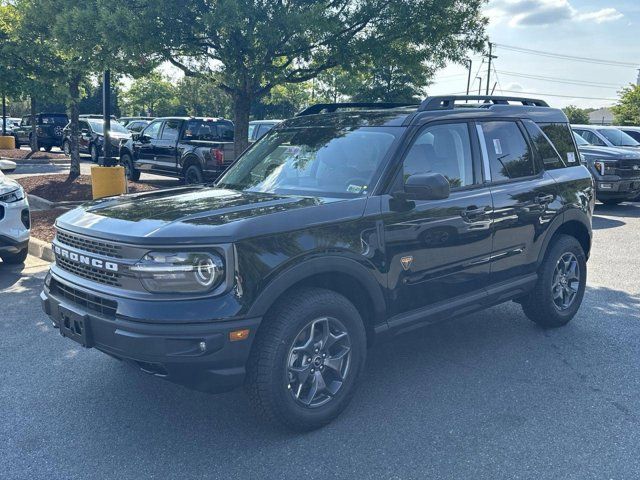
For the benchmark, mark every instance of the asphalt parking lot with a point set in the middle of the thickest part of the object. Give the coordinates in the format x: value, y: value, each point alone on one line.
x: 486, y: 396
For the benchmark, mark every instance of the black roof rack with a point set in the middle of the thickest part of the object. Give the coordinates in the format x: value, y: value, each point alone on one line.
x: 333, y: 107
x: 448, y: 102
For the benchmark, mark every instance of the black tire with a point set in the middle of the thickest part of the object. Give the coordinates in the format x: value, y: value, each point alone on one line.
x: 612, y: 201
x: 132, y: 173
x: 17, y: 142
x: 269, y: 376
x: 193, y: 175
x: 95, y: 154
x: 541, y: 304
x: 66, y: 148
x: 15, y: 258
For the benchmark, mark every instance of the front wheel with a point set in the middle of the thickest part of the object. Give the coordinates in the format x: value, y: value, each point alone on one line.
x: 93, y: 151
x: 562, y: 280
x: 132, y: 173
x: 15, y: 258
x: 306, y: 359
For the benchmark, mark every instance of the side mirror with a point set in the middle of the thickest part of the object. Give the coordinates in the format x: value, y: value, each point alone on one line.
x: 427, y: 186
x: 7, y: 166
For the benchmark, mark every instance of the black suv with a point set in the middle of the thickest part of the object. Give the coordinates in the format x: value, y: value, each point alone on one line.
x: 91, y: 138
x: 331, y: 231
x: 49, y: 128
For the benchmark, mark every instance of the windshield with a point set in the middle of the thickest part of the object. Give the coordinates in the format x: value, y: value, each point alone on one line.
x: 580, y: 140
x: 618, y: 137
x: 334, y: 161
x: 54, y: 119
x: 98, y: 126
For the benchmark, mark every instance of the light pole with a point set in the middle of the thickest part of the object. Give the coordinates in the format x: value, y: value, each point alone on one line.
x: 479, y: 85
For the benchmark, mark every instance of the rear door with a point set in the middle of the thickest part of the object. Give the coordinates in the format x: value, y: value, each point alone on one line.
x: 524, y: 198
x: 166, y: 146
x: 439, y: 250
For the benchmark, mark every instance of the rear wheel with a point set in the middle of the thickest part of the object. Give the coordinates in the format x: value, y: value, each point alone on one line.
x: 561, y: 283
x: 193, y: 175
x: 15, y: 258
x: 306, y: 360
x: 132, y: 173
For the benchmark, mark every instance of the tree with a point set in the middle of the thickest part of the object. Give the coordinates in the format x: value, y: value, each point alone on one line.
x: 75, y: 40
x: 250, y: 46
x: 627, y: 111
x: 576, y: 115
x: 151, y: 95
x: 201, y: 97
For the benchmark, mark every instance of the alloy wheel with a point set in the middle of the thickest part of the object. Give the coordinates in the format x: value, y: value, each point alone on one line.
x: 566, y: 281
x: 318, y: 362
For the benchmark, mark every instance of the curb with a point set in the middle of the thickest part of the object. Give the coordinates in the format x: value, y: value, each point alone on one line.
x: 38, y: 161
x: 41, y: 249
x: 39, y: 203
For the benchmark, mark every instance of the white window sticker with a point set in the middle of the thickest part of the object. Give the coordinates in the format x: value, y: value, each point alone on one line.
x: 497, y: 146
x: 571, y: 157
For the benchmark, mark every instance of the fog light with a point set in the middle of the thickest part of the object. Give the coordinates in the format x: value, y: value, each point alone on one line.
x: 238, y: 335
x: 606, y: 186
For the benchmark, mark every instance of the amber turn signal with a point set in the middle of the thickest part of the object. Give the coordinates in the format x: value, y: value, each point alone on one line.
x: 238, y: 335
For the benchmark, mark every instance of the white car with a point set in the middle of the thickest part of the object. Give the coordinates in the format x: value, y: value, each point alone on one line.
x: 15, y: 221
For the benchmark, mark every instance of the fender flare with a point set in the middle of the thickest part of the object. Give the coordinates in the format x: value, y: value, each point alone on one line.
x: 571, y: 215
x: 309, y: 268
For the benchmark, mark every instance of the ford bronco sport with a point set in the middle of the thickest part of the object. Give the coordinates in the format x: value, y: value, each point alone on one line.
x: 347, y: 223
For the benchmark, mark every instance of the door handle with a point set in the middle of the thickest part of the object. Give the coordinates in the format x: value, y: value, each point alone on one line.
x: 545, y: 199
x: 473, y: 212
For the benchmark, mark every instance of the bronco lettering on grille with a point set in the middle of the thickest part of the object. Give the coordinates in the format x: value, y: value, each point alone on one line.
x: 84, y: 259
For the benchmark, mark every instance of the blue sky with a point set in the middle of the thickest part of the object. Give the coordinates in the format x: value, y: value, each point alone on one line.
x: 586, y: 28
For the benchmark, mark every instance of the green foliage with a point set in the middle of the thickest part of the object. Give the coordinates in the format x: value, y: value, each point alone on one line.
x: 576, y: 115
x: 627, y: 110
x: 152, y: 95
x: 201, y: 97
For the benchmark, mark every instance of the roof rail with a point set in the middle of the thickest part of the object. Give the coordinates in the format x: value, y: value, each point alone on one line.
x: 333, y: 107
x: 448, y: 102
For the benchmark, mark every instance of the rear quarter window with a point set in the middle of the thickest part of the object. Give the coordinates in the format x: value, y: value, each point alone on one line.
x: 560, y: 135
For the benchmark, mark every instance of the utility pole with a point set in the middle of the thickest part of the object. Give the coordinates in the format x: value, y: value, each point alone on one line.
x: 490, y: 56
x: 468, y: 75
x: 479, y: 85
x: 107, y: 160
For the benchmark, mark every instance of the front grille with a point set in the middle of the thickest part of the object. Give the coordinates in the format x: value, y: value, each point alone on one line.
x: 89, y: 272
x: 106, y: 308
x: 99, y: 247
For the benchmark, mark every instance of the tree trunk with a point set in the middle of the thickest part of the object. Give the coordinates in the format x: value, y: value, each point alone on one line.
x: 241, y: 112
x: 34, y: 128
x: 74, y: 94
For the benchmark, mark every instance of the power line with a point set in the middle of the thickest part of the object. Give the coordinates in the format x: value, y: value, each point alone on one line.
x: 561, y: 96
x: 559, y: 80
x: 567, y: 57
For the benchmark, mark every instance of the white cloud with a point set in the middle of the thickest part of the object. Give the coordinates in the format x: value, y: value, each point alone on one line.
x: 545, y: 12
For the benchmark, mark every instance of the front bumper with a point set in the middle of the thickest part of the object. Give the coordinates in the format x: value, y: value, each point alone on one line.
x: 197, y: 355
x: 617, y: 188
x: 15, y: 226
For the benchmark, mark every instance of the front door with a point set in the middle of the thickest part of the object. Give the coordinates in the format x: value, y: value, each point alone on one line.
x: 144, y: 146
x: 438, y: 250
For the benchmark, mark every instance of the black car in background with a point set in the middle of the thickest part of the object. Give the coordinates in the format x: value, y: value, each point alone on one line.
x: 191, y: 148
x: 633, y: 132
x: 91, y: 138
x: 615, y: 170
x: 259, y: 128
x: 48, y: 127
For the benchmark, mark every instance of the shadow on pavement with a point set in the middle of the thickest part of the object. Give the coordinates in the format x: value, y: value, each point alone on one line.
x: 10, y: 274
x: 602, y: 223
x: 623, y: 210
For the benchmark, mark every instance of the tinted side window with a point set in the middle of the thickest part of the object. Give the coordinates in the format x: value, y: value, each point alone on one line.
x: 509, y: 154
x: 591, y: 137
x: 225, y: 132
x: 152, y: 130
x: 543, y: 147
x: 200, y: 130
x: 444, y: 149
x: 171, y: 130
x: 633, y: 134
x: 561, y: 137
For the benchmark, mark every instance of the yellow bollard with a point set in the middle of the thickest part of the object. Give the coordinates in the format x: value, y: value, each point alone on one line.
x: 7, y: 142
x: 108, y: 181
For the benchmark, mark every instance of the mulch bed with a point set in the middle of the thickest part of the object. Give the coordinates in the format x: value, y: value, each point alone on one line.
x: 42, y: 223
x: 56, y: 188
x: 19, y: 154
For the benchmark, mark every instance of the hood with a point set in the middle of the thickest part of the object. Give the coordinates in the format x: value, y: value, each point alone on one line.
x: 612, y: 153
x: 7, y: 184
x: 196, y: 215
